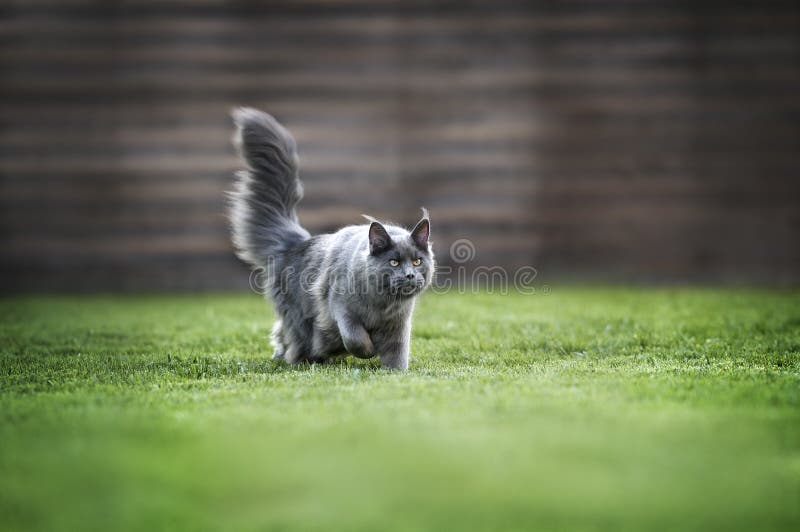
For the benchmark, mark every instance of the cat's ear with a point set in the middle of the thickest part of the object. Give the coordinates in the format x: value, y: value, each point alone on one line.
x: 422, y: 231
x: 379, y: 239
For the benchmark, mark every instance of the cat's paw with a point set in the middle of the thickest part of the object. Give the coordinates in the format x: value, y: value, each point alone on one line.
x: 359, y: 347
x: 395, y: 363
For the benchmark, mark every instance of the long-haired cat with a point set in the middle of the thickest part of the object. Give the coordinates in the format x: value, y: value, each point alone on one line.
x: 352, y: 291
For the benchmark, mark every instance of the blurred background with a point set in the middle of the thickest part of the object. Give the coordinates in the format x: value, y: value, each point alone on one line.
x: 647, y: 141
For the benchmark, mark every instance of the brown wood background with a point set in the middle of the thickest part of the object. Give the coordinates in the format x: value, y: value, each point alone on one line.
x: 645, y: 140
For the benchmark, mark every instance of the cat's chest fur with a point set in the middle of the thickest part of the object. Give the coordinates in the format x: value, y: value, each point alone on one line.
x: 391, y: 314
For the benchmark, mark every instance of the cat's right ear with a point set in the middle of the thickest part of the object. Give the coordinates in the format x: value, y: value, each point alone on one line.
x: 379, y: 239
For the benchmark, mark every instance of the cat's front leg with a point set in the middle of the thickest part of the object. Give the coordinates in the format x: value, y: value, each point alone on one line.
x: 355, y: 337
x: 394, y: 346
x: 394, y: 355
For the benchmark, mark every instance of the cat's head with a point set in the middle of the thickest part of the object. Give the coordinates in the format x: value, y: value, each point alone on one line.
x: 401, y: 260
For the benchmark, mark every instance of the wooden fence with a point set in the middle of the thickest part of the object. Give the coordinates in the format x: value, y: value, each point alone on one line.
x: 645, y: 140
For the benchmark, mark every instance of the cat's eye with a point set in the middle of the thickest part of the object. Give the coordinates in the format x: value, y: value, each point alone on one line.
x: 416, y: 262
x: 394, y: 263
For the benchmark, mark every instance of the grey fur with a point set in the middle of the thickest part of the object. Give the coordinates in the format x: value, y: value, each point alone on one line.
x: 334, y: 293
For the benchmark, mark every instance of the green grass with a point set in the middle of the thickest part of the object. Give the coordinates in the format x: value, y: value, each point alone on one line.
x: 585, y: 409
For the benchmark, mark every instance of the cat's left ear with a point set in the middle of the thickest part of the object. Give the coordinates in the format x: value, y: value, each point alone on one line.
x: 379, y: 239
x: 422, y: 231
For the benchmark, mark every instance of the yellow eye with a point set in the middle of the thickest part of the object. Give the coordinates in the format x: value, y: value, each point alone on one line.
x: 417, y: 262
x: 394, y: 263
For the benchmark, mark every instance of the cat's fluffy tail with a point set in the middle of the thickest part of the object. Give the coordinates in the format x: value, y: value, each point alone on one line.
x: 262, y: 203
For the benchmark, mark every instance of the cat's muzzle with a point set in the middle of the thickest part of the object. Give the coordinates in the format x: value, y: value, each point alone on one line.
x: 408, y: 288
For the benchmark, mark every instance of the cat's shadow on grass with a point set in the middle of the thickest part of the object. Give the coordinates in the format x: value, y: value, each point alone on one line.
x: 340, y: 362
x: 221, y: 366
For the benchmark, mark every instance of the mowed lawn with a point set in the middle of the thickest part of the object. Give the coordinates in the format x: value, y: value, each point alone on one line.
x: 583, y: 409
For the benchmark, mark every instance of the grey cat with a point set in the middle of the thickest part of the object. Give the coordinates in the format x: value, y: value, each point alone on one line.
x: 352, y: 291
